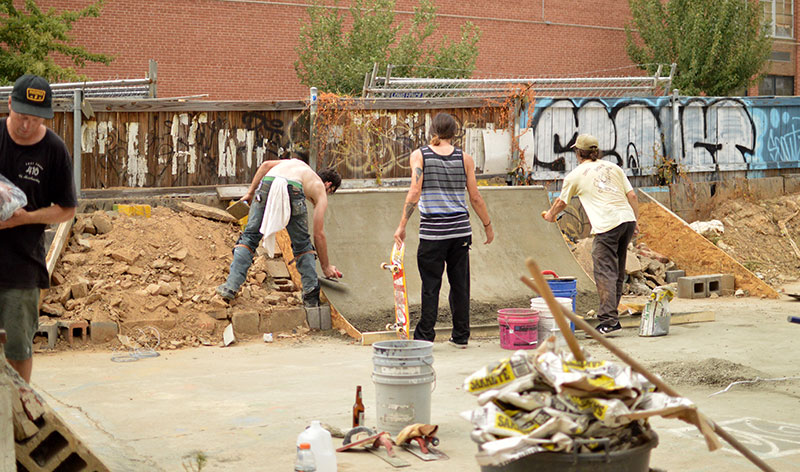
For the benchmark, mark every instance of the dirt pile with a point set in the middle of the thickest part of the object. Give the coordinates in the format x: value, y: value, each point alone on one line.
x: 157, y: 272
x: 754, y: 236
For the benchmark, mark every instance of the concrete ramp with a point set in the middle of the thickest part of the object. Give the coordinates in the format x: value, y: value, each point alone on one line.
x: 360, y: 225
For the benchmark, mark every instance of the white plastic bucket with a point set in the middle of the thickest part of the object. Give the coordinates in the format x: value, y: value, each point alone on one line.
x: 403, y: 375
x: 547, y: 325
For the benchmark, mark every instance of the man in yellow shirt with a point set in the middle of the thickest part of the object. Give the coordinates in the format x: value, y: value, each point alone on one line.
x: 613, y: 210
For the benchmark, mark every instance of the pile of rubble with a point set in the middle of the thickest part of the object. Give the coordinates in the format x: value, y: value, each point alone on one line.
x: 646, y: 268
x: 161, y: 272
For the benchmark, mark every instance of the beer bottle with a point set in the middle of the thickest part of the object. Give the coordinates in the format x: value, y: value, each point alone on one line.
x: 358, y: 409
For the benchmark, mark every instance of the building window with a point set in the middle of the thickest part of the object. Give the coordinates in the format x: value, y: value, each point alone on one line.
x: 776, y: 85
x: 780, y: 15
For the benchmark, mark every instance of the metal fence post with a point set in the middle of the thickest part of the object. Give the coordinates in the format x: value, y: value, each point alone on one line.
x: 77, y: 96
x: 312, y: 139
x: 676, y: 123
x: 152, y: 74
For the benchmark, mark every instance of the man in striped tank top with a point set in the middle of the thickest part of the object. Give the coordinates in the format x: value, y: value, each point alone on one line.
x: 445, y: 234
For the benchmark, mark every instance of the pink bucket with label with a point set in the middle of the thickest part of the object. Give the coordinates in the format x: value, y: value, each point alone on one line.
x: 518, y: 328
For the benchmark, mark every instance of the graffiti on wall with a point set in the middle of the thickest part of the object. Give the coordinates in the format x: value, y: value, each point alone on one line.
x: 187, y: 144
x: 714, y: 134
x: 202, y: 148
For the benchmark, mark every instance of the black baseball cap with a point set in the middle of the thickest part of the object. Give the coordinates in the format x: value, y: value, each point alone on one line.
x: 32, y: 96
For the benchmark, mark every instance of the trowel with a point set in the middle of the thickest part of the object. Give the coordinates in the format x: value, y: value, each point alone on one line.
x: 377, y: 443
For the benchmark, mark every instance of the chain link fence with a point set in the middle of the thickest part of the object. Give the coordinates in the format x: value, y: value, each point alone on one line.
x: 122, y: 88
x: 603, y: 83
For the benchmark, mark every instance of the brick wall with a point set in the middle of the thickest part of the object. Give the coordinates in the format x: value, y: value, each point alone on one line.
x: 244, y: 50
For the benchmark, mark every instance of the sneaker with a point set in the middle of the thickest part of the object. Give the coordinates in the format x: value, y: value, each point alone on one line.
x: 225, y: 292
x: 456, y: 345
x: 606, y: 329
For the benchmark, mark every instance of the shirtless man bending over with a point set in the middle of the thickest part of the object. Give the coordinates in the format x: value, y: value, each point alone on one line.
x: 276, y: 182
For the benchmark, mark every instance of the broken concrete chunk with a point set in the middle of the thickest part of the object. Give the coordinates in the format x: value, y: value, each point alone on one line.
x: 180, y: 254
x: 52, y: 309
x: 227, y: 335
x: 133, y: 270
x: 122, y: 256
x: 79, y: 290
x: 102, y: 222
x: 74, y: 258
x: 206, y: 211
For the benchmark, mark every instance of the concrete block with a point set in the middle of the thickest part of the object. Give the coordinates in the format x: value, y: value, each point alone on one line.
x: 713, y: 283
x: 71, y: 329
x: 50, y: 331
x: 282, y: 320
x: 692, y: 287
x: 672, y: 276
x: 791, y: 183
x: 319, y: 317
x: 102, y: 331
x: 727, y: 287
x: 245, y: 322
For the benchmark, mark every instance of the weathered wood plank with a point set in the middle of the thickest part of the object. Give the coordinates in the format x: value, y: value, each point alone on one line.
x: 58, y: 244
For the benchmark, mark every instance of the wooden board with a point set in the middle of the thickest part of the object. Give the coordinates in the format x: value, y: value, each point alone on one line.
x: 58, y: 244
x: 633, y: 321
x: 337, y: 320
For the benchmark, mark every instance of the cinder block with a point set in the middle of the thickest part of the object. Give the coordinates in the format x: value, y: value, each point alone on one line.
x: 727, y: 287
x: 245, y: 322
x: 672, y: 276
x: 319, y: 317
x: 71, y: 329
x: 692, y: 287
x: 713, y: 283
x: 102, y: 331
x: 51, y: 332
x: 282, y: 320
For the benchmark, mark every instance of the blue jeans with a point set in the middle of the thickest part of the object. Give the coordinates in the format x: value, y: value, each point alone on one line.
x: 298, y: 233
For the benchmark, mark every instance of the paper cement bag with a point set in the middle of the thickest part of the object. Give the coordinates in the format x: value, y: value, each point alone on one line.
x: 656, y: 314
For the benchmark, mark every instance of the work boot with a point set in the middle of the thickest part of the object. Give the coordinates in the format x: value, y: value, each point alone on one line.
x: 311, y: 299
x: 225, y: 292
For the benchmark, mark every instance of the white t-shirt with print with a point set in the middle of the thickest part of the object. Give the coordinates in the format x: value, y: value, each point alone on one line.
x: 602, y: 187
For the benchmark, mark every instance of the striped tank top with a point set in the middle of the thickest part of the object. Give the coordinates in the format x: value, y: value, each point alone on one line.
x: 443, y: 202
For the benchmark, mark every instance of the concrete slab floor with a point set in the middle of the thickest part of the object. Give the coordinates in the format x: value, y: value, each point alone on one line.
x: 244, y: 405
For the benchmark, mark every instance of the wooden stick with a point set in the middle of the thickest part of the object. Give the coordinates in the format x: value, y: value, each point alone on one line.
x: 698, y: 419
x: 555, y: 309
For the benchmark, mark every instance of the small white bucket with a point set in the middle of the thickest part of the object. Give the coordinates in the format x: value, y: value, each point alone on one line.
x: 547, y: 325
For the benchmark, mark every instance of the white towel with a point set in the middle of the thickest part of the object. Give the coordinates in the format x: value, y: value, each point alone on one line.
x: 276, y: 213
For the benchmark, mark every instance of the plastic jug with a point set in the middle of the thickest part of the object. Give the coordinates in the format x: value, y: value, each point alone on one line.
x: 305, y: 459
x: 321, y: 446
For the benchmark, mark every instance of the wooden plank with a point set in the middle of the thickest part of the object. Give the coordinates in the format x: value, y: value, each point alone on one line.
x: 442, y: 332
x: 231, y: 192
x: 58, y: 244
x: 633, y: 321
x: 340, y: 322
x: 337, y: 320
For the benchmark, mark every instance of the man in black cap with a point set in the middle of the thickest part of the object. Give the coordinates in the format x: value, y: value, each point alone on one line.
x: 36, y: 160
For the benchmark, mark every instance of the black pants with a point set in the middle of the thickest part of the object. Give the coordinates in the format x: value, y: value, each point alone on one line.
x: 609, y: 251
x: 432, y: 257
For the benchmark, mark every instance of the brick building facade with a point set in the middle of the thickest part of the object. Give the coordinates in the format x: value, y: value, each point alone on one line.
x: 245, y: 49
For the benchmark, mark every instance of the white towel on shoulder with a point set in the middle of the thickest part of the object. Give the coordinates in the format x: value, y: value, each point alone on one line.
x: 276, y: 213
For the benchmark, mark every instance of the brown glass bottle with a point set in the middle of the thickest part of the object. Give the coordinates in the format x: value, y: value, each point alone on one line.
x: 358, y: 409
